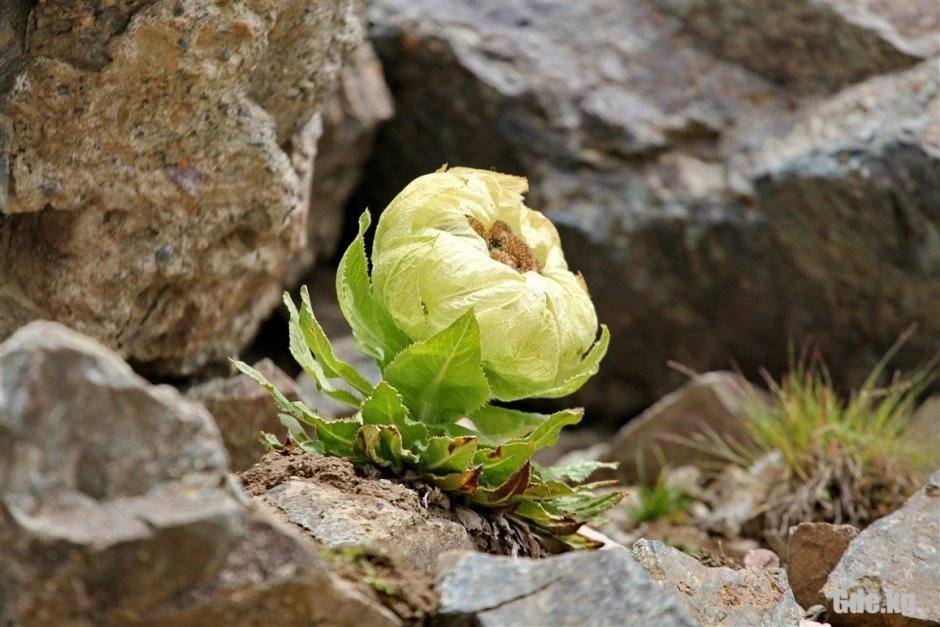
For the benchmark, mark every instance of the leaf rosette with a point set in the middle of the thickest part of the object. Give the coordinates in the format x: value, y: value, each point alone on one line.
x: 446, y: 352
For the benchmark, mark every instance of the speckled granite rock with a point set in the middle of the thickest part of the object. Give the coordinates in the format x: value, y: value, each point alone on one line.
x: 720, y: 596
x: 158, y: 171
x: 116, y: 506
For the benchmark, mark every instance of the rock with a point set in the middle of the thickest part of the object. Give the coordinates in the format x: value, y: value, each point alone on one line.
x: 813, y: 550
x: 896, y: 559
x: 159, y: 157
x: 762, y: 559
x: 739, y: 496
x: 646, y: 150
x: 579, y: 588
x: 720, y: 596
x: 107, y: 481
x: 242, y: 409
x: 330, y: 502
x: 350, y: 120
x: 807, y: 45
x: 711, y: 403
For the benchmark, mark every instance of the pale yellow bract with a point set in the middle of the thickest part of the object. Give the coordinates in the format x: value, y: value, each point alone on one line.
x: 432, y: 261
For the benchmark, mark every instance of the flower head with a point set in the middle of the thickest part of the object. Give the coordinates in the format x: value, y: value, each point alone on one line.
x: 463, y: 238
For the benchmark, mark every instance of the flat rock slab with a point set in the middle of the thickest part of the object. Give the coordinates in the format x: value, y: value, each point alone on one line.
x: 339, y: 508
x: 720, y: 596
x: 581, y: 588
x: 896, y: 557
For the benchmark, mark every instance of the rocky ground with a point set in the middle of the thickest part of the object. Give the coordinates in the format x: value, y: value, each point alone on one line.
x: 730, y: 177
x: 118, y: 508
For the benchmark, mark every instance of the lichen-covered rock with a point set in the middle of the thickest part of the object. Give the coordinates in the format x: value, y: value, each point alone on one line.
x: 720, y: 596
x: 896, y: 559
x: 589, y: 588
x: 158, y: 162
x: 116, y: 507
x: 242, y: 409
x: 648, y: 151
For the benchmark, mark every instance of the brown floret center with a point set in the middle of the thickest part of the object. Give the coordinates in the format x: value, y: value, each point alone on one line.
x: 505, y: 246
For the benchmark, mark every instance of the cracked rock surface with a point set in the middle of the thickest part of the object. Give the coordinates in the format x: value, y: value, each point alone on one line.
x: 116, y: 506
x: 895, y: 555
x: 580, y: 588
x: 157, y: 166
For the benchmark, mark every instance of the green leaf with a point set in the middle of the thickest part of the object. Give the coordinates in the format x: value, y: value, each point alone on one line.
x: 373, y: 328
x: 440, y: 378
x: 585, y: 506
x: 546, y: 434
x: 447, y: 455
x: 319, y: 343
x: 386, y: 407
x: 464, y: 482
x: 515, y: 485
x: 567, y: 382
x: 296, y: 432
x: 500, y: 463
x: 497, y: 425
x: 575, y: 471
x: 270, y: 442
x: 554, y: 523
x: 300, y: 349
x: 545, y: 490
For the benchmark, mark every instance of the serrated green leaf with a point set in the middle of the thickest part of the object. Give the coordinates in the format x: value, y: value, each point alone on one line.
x: 300, y: 350
x: 446, y: 455
x: 585, y: 506
x: 567, y: 383
x: 440, y: 378
x: 501, y: 462
x: 319, y: 343
x: 367, y: 445
x: 546, y: 434
x: 554, y: 523
x: 577, y: 542
x: 545, y: 490
x: 464, y: 482
x: 515, y: 485
x: 575, y: 471
x: 270, y: 442
x: 497, y: 425
x: 373, y: 328
x: 386, y: 407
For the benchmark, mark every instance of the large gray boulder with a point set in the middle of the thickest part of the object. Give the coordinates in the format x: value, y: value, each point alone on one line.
x: 653, y: 156
x: 116, y: 506
x: 155, y: 166
x: 584, y: 588
x: 895, y: 560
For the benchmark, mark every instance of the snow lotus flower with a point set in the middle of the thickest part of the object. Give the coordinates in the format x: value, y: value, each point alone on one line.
x: 462, y: 239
